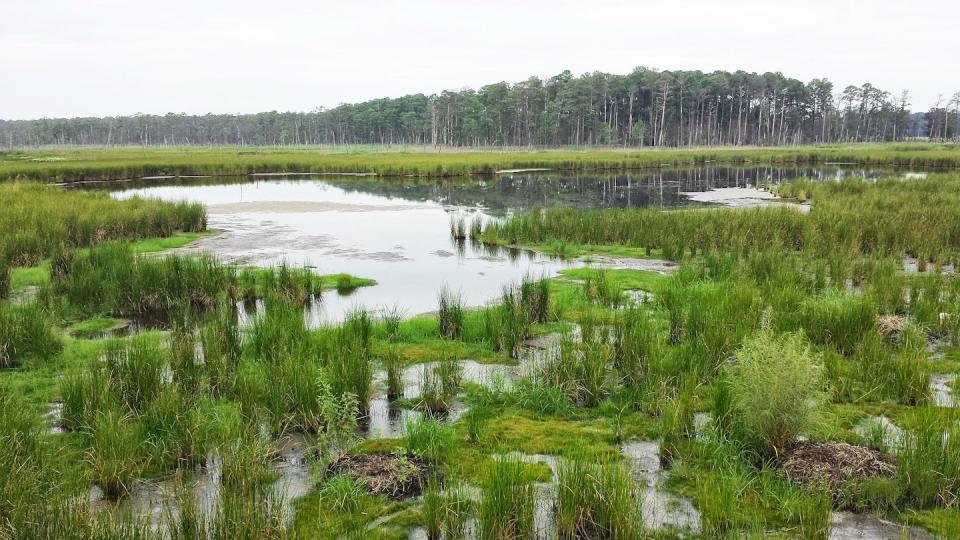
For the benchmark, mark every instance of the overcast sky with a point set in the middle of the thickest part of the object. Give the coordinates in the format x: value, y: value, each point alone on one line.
x: 110, y: 57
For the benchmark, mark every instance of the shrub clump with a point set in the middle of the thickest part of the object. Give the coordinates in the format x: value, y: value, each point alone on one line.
x: 776, y: 389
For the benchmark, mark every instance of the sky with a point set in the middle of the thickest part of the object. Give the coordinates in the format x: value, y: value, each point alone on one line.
x: 61, y: 58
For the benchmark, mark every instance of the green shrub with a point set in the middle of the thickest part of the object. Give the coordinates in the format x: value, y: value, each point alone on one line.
x: 776, y: 389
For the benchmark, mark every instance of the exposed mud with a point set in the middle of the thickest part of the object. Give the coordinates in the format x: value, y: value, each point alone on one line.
x: 661, y: 509
x: 742, y: 197
x: 295, y: 207
x: 850, y: 526
x: 614, y: 262
x: 941, y: 393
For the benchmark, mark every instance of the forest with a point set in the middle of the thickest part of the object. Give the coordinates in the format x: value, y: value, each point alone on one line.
x: 643, y: 108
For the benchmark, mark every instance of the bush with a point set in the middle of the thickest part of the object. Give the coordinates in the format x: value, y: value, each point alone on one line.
x: 776, y: 389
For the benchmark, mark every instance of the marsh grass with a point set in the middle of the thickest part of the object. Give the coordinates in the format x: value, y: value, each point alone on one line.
x: 115, y: 454
x: 581, y: 371
x: 394, y: 368
x: 601, y: 289
x: 450, y: 314
x: 838, y: 319
x: 446, y: 511
x: 26, y: 333
x: 507, y: 506
x: 430, y: 439
x: 5, y: 276
x: 112, y: 279
x: 350, y: 367
x: 137, y: 371
x: 597, y: 499
x: 636, y: 342
x: 37, y: 220
x: 887, y: 217
x: 929, y: 462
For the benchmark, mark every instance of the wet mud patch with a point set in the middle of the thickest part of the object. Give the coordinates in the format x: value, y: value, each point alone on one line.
x: 941, y: 393
x: 661, y: 509
x: 850, y: 526
x: 394, y: 476
x: 834, y: 465
x: 613, y: 262
x: 742, y: 197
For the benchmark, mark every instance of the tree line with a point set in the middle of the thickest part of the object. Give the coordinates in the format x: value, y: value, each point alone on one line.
x: 643, y: 108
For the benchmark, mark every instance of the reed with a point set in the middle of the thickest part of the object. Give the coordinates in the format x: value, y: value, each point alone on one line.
x: 597, y: 500
x: 450, y: 314
x: 430, y: 439
x: 26, y: 333
x: 506, y: 509
x: 38, y: 219
x: 115, y: 455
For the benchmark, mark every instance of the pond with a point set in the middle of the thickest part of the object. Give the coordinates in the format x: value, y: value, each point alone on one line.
x: 396, y: 231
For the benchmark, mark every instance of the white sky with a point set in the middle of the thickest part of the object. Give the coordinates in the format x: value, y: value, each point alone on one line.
x: 112, y: 57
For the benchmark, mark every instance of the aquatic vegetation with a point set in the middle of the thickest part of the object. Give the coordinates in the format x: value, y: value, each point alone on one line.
x: 26, y: 333
x: 430, y: 439
x: 38, y: 220
x: 450, y: 314
x: 597, y: 499
x: 114, y: 456
x: 506, y: 509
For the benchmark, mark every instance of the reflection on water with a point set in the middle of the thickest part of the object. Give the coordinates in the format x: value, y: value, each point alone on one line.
x: 396, y: 231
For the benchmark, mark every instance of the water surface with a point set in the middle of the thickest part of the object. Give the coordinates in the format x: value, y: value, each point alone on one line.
x: 396, y: 231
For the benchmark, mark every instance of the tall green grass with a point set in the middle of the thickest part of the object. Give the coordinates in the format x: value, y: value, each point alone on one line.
x: 26, y: 332
x: 506, y: 509
x: 77, y: 164
x: 888, y: 217
x: 597, y: 500
x: 37, y: 220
